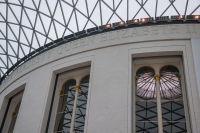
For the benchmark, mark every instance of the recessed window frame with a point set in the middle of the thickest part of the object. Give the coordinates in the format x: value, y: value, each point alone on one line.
x: 76, y: 74
x: 150, y: 61
x: 11, y: 106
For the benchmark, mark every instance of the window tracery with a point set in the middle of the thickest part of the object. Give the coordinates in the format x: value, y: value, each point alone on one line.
x: 71, y: 110
x: 159, y: 102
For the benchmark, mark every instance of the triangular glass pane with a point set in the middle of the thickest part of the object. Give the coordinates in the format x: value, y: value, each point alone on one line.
x: 14, y: 1
x: 109, y: 3
x: 180, y: 7
x: 15, y: 29
x: 192, y: 5
x: 114, y: 19
x: 23, y: 39
x: 11, y: 35
x: 72, y: 24
x: 3, y: 45
x: 75, y: 1
x: 142, y: 14
x: 26, y: 49
x: 67, y: 32
x: 46, y: 20
x: 35, y: 44
x: 4, y: 58
x: 1, y: 18
x: 10, y: 63
x: 14, y: 46
x: 28, y: 33
x: 197, y: 12
x: 116, y: 2
x: 133, y: 11
x: 21, y: 54
x: 60, y: 29
x: 121, y: 10
x: 170, y: 12
x: 3, y: 28
x: 95, y: 17
x: 67, y: 11
x: 48, y: 41
x: 81, y: 6
x: 10, y: 49
x: 90, y: 25
x: 44, y: 8
x: 52, y: 5
x: 58, y: 15
x: 52, y: 33
x: 68, y: 1
x: 25, y: 20
x: 83, y: 21
x: 36, y: 2
x: 91, y: 5
x: 39, y: 26
x: 29, y: 3
x: 162, y: 6
x: 106, y: 13
x: 1, y: 35
x: 32, y: 17
x: 11, y: 17
x: 3, y: 9
x: 14, y: 60
x: 17, y: 11
x: 150, y: 7
x: 41, y: 38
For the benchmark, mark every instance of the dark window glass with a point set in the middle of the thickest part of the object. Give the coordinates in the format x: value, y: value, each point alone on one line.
x: 81, y: 106
x: 65, y: 107
x: 146, y: 106
x: 173, y: 114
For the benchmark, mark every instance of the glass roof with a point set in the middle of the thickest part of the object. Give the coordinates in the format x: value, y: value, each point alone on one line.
x: 26, y: 25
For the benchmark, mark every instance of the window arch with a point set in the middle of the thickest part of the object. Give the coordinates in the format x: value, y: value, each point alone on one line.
x: 71, y: 112
x: 159, y: 103
x: 173, y: 115
x: 170, y: 86
x: 146, y: 114
x: 145, y: 83
x: 81, y: 105
x: 65, y: 107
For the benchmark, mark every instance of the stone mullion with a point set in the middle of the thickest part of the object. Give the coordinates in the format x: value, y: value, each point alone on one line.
x: 77, y: 88
x: 159, y: 108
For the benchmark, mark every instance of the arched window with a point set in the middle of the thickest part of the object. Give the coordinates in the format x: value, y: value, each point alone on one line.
x: 159, y: 101
x: 146, y: 108
x: 146, y: 88
x: 71, y: 112
x: 65, y: 107
x: 81, y: 105
x: 173, y: 115
x: 14, y: 118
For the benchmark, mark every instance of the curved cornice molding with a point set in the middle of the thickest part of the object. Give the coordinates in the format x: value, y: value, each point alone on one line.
x: 106, y: 39
x: 28, y: 25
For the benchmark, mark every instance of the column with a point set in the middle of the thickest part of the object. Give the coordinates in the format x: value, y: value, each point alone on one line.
x: 158, y: 98
x: 74, y: 108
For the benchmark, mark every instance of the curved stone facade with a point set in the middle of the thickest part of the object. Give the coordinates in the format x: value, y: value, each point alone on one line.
x: 110, y: 57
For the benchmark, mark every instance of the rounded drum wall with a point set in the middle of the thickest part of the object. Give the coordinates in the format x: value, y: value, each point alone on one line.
x: 109, y: 107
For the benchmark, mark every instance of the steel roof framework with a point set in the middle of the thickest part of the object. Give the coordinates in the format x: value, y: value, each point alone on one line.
x: 27, y: 25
